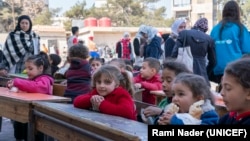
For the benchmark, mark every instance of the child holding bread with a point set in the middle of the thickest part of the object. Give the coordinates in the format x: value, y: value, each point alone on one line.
x: 192, y: 102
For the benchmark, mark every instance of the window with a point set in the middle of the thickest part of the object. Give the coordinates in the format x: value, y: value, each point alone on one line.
x: 200, y: 1
x: 181, y: 3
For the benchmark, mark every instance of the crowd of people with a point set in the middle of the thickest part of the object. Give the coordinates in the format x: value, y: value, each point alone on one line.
x: 109, y: 86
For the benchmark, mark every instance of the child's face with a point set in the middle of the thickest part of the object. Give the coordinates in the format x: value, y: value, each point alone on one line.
x: 235, y: 97
x: 146, y: 71
x: 167, y: 78
x: 104, y: 86
x: 183, y: 97
x: 33, y: 70
x: 95, y: 65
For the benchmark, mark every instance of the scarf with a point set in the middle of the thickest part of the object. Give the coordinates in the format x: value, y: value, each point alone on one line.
x: 18, y: 46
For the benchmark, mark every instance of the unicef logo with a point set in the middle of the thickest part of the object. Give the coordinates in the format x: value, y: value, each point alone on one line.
x: 229, y: 41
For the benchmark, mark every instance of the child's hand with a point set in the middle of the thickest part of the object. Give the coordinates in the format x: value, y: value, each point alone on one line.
x: 195, y: 109
x: 165, y: 118
x: 3, y: 72
x: 152, y: 111
x: 10, y: 84
x: 137, y: 85
x: 96, y: 101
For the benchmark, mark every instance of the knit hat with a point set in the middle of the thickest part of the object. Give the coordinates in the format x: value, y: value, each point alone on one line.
x: 201, y: 24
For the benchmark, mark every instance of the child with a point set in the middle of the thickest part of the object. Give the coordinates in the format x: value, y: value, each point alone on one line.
x: 149, y: 79
x: 192, y: 102
x: 95, y: 63
x: 235, y: 92
x: 170, y: 70
x: 39, y: 78
x: 109, y: 95
x: 39, y: 81
x: 55, y: 60
x: 120, y: 64
x: 79, y: 73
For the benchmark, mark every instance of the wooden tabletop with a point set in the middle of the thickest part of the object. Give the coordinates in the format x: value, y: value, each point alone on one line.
x: 4, y: 92
x: 113, y: 124
x: 20, y: 75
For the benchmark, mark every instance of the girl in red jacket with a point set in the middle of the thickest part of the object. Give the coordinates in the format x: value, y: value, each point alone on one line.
x: 109, y: 94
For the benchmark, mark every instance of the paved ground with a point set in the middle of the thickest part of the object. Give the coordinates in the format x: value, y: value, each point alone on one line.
x: 7, y: 133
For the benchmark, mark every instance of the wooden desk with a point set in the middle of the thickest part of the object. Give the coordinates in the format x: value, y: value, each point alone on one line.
x: 3, y: 81
x: 19, y: 75
x: 59, y: 89
x: 141, y: 105
x: 138, y: 94
x: 18, y: 106
x: 66, y: 123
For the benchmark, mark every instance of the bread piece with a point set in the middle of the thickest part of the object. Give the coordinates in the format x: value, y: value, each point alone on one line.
x: 195, y: 109
x: 172, y: 108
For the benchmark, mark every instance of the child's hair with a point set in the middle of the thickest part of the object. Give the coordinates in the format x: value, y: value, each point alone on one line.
x: 79, y: 51
x: 96, y: 59
x: 177, y: 67
x: 74, y: 29
x: 197, y: 84
x: 128, y: 62
x: 240, y: 69
x: 246, y: 55
x: 153, y: 63
x: 120, y: 62
x: 129, y: 68
x: 56, y: 59
x: 41, y: 59
x: 113, y: 73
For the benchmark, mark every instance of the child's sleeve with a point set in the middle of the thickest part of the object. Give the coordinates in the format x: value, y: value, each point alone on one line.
x: 151, y: 86
x: 38, y: 86
x: 83, y: 101
x: 124, y: 107
x: 184, y: 119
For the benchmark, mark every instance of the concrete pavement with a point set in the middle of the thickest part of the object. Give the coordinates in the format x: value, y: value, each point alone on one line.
x: 7, y: 133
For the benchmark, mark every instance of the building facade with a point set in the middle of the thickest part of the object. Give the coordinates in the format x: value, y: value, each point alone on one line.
x: 192, y: 10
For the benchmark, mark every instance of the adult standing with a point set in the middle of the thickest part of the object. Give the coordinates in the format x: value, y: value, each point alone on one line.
x: 20, y: 44
x: 231, y: 39
x: 153, y: 47
x: 202, y: 47
x: 139, y: 44
x: 73, y: 39
x: 176, y: 27
x: 123, y: 47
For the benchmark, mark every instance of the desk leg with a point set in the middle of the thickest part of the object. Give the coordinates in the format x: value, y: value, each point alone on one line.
x: 1, y: 123
x: 31, y: 127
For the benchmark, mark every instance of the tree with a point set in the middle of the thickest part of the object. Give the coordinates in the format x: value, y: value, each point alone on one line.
x: 45, y: 17
x: 78, y: 11
x: 9, y: 13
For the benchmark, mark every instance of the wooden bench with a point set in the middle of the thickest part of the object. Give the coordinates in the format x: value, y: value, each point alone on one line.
x: 66, y: 123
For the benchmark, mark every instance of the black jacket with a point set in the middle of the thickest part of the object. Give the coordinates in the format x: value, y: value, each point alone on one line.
x: 202, y: 48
